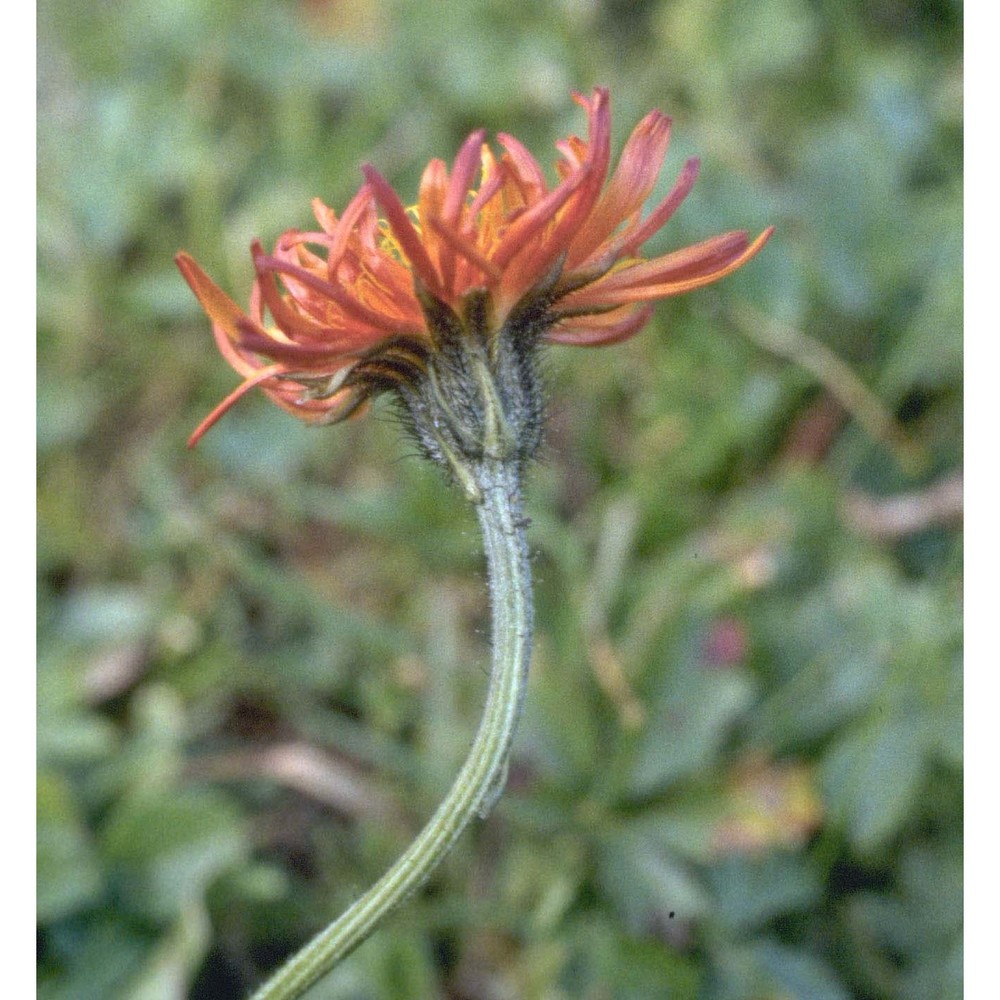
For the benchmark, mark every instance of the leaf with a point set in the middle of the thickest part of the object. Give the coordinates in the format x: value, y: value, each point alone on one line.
x: 753, y: 890
x: 646, y: 883
x: 166, y: 849
x: 794, y: 973
x: 90, y: 959
x: 605, y: 962
x: 68, y: 871
x: 871, y: 776
x: 689, y: 720
x: 171, y: 967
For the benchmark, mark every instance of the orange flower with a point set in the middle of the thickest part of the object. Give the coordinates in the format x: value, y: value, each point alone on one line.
x: 366, y: 303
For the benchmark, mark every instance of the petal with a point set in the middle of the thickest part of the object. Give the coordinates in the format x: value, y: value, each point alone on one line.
x: 465, y: 248
x: 599, y: 132
x: 629, y: 187
x: 430, y: 202
x: 660, y: 215
x: 370, y: 324
x: 238, y: 393
x: 293, y: 322
x: 526, y: 171
x: 304, y: 356
x: 221, y: 309
x: 530, y: 222
x: 594, y: 167
x: 466, y: 163
x: 325, y: 216
x: 357, y: 210
x: 494, y: 176
x: 408, y: 238
x: 601, y: 330
x: 682, y: 271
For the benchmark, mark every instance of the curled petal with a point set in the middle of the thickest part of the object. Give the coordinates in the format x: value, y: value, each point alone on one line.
x: 660, y: 215
x: 599, y: 132
x: 682, y: 271
x: 528, y: 174
x: 369, y: 321
x: 630, y: 185
x: 291, y: 321
x: 293, y: 398
x: 409, y: 239
x: 325, y: 216
x: 534, y: 219
x: 350, y: 221
x: 302, y: 355
x: 238, y: 393
x: 464, y: 169
x: 220, y: 307
x: 495, y: 175
x: 600, y: 330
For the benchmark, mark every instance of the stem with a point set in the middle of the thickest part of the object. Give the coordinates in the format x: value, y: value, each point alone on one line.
x: 483, y: 775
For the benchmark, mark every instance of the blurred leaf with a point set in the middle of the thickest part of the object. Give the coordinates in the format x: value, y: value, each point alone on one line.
x: 768, y: 38
x: 69, y: 874
x: 65, y: 413
x: 929, y: 349
x: 68, y: 731
x: 168, y: 972
x: 871, y: 776
x: 687, y: 829
x: 91, y: 961
x: 789, y: 972
x: 919, y: 920
x: 947, y: 715
x: 688, y: 721
x: 166, y: 850
x: 751, y: 890
x: 645, y: 883
x: 101, y: 613
x: 865, y: 638
x: 608, y: 963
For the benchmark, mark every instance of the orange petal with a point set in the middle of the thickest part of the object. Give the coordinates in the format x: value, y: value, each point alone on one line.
x: 464, y: 247
x: 629, y: 187
x: 408, y: 238
x: 464, y: 169
x: 370, y: 324
x: 526, y: 171
x: 530, y: 222
x: 292, y: 322
x: 590, y: 332
x: 622, y: 286
x: 221, y: 309
x: 238, y: 393
x: 325, y: 215
x: 665, y: 209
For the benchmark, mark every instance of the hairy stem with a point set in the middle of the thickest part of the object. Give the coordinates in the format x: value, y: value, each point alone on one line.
x: 482, y: 777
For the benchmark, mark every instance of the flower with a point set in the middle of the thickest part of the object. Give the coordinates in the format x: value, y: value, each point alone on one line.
x: 368, y: 300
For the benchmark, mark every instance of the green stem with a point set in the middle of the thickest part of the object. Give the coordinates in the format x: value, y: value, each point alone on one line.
x: 482, y: 777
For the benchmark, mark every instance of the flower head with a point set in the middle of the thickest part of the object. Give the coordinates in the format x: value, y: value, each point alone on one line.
x: 371, y: 299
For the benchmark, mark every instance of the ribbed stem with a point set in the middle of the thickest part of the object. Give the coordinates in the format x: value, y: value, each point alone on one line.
x: 483, y: 775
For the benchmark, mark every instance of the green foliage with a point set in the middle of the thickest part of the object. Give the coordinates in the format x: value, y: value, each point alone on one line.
x: 739, y: 774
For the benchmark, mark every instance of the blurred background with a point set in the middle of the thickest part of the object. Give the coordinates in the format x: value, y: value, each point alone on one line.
x: 262, y: 662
